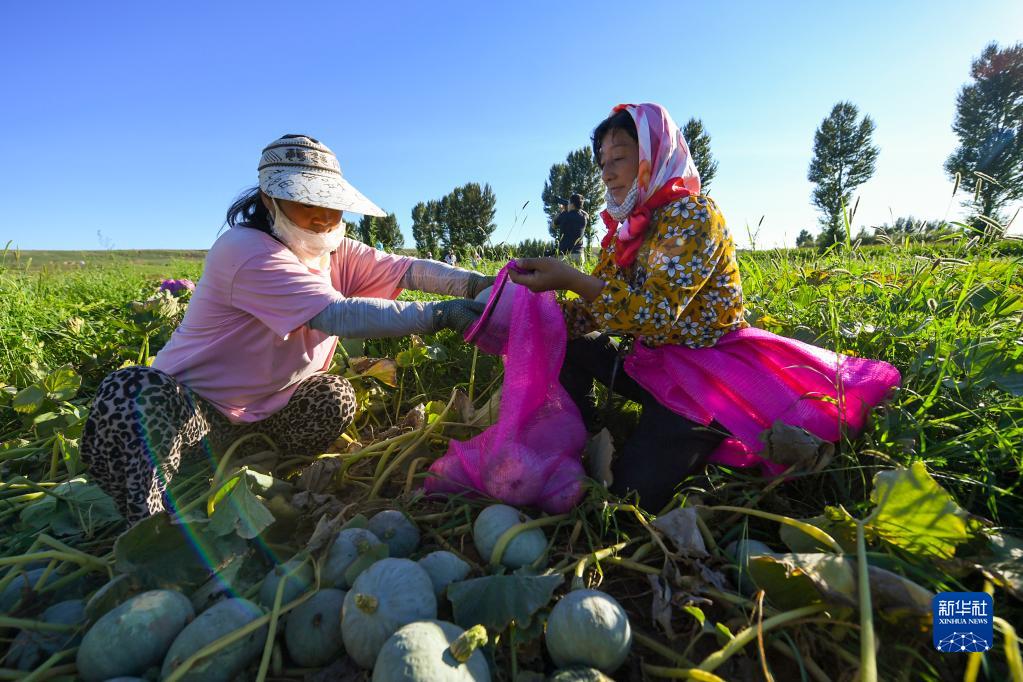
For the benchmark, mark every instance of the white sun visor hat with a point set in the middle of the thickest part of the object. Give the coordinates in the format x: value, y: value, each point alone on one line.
x: 299, y: 168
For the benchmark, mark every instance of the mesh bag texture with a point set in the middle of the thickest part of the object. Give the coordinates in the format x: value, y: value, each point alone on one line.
x: 531, y: 455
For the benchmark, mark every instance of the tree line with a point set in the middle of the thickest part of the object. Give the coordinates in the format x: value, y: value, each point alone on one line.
x: 987, y: 167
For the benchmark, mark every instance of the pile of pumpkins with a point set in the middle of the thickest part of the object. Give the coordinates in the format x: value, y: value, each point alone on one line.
x: 375, y: 604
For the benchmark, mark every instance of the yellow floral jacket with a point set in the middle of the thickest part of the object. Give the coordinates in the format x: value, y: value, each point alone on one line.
x: 683, y: 287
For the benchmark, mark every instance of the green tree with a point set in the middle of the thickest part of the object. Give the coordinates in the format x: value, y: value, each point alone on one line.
x: 466, y: 216
x: 366, y: 230
x: 805, y: 239
x: 989, y: 125
x: 389, y: 233
x: 844, y: 157
x: 579, y: 174
x: 699, y: 147
x: 426, y: 230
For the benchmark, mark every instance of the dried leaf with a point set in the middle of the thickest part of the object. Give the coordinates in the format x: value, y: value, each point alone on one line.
x: 679, y: 525
x: 319, y: 476
x: 794, y: 446
x: 660, y: 605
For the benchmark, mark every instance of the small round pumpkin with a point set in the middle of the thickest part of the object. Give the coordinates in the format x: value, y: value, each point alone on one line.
x: 349, y: 545
x: 443, y: 568
x: 387, y: 595
x: 526, y: 548
x: 588, y: 628
x: 394, y: 528
x: 433, y: 651
x: 313, y: 635
x: 579, y: 674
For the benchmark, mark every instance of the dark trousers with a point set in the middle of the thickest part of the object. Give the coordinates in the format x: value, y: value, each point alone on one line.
x: 665, y: 446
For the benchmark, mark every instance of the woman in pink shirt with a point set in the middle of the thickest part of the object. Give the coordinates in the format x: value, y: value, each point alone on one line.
x: 250, y: 356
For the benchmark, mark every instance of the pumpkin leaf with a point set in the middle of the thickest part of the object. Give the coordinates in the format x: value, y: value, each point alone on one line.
x: 914, y: 513
x: 835, y: 522
x: 69, y: 508
x: 240, y: 512
x: 62, y: 384
x: 28, y: 400
x: 795, y: 580
x: 175, y: 552
x: 497, y: 600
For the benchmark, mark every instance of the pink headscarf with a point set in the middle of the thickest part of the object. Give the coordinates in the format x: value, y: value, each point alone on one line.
x: 666, y: 172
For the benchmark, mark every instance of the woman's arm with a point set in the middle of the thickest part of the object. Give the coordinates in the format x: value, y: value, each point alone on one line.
x: 547, y: 274
x: 373, y: 318
x: 435, y: 277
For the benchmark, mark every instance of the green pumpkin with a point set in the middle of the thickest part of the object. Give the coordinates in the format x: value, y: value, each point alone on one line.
x: 394, y: 528
x: 387, y: 595
x: 220, y: 619
x: 313, y: 635
x: 443, y: 568
x: 433, y: 651
x: 133, y: 636
x: 526, y: 548
x: 588, y: 628
x: 300, y: 580
x: 31, y: 647
x: 349, y: 546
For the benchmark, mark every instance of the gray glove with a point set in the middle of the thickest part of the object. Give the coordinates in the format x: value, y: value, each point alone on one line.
x: 478, y: 283
x: 457, y: 314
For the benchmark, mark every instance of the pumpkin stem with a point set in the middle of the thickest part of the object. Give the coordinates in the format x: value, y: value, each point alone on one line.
x: 470, y: 640
x: 367, y: 603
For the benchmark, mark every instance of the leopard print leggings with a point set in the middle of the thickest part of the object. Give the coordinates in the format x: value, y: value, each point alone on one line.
x: 143, y: 423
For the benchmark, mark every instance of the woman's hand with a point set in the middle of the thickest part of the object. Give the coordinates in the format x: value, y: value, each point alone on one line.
x: 543, y: 274
x: 546, y: 274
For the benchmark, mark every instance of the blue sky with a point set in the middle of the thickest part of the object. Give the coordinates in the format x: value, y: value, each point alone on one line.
x: 142, y: 121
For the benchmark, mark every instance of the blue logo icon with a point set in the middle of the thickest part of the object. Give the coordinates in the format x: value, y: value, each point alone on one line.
x: 963, y: 622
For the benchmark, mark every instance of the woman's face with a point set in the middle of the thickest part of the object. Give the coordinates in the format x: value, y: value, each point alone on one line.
x: 312, y: 218
x: 619, y: 162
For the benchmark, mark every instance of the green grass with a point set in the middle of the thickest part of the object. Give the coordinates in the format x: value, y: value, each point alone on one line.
x: 948, y: 315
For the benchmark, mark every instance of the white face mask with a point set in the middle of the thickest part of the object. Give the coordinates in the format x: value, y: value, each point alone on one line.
x: 621, y: 211
x: 312, y: 248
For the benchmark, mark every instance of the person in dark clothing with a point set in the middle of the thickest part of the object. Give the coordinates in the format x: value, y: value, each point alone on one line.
x: 571, y: 225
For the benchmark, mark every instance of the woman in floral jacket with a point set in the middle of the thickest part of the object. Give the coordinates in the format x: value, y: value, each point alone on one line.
x: 667, y: 283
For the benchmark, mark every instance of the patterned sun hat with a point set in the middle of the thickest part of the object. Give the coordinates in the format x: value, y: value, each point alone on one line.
x: 302, y: 169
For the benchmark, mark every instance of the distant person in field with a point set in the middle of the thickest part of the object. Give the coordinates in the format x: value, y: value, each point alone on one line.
x: 660, y: 321
x: 277, y: 289
x: 450, y: 258
x: 571, y: 226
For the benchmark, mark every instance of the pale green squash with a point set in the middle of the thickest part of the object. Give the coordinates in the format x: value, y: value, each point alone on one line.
x: 387, y: 595
x: 443, y: 568
x: 313, y: 635
x: 588, y: 628
x: 433, y: 651
x: 349, y: 545
x: 526, y: 548
x: 133, y: 636
x: 394, y: 528
x: 220, y: 619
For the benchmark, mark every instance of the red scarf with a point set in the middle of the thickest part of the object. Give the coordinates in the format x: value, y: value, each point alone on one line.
x: 639, y: 221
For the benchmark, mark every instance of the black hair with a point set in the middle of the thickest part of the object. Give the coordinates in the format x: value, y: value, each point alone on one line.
x: 620, y: 120
x: 248, y: 211
x: 576, y: 200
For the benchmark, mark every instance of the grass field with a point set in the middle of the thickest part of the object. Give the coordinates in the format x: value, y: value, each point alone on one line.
x: 927, y: 500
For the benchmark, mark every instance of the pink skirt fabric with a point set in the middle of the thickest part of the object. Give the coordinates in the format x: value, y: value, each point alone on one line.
x: 751, y: 378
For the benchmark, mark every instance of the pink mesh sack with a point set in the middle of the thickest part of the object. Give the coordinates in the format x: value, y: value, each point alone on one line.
x: 531, y: 456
